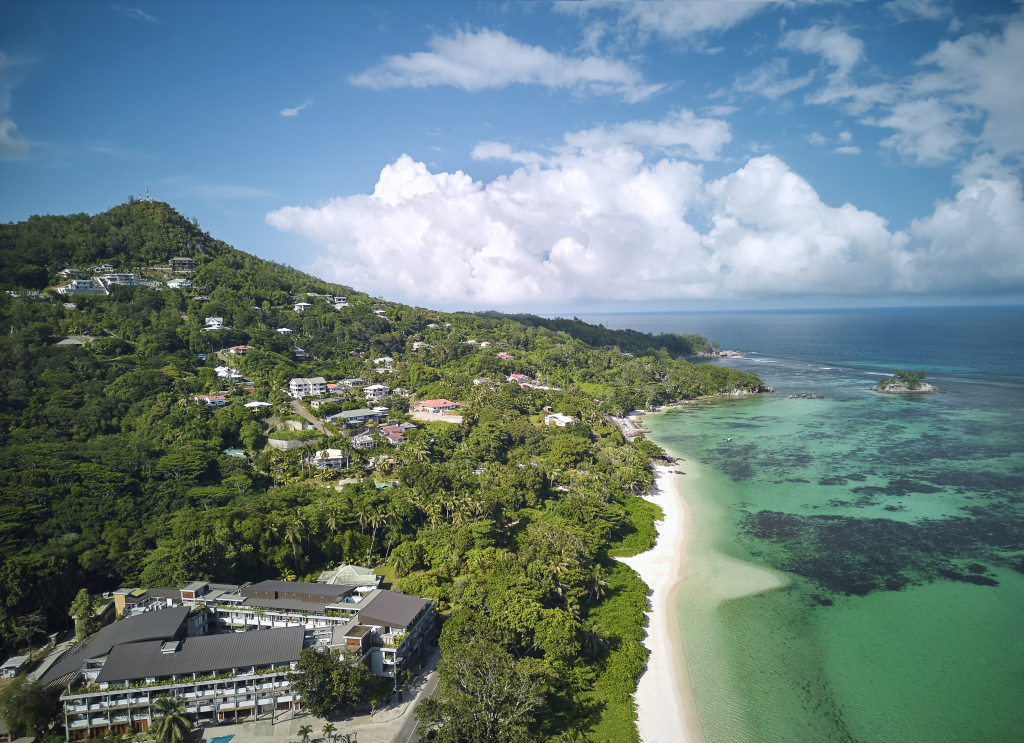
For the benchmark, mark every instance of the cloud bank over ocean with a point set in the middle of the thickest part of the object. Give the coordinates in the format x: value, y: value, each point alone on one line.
x: 618, y: 213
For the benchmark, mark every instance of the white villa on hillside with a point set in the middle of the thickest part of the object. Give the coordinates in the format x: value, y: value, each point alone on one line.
x: 375, y: 392
x: 82, y: 286
x: 307, y: 386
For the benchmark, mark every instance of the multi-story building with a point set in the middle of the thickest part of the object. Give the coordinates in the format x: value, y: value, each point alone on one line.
x: 82, y: 286
x: 182, y: 263
x: 397, y: 626
x: 307, y: 386
x: 375, y: 392
x: 121, y: 279
x: 173, y: 642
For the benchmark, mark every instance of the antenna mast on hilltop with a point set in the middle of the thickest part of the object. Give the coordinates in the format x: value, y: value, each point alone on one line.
x: 147, y: 193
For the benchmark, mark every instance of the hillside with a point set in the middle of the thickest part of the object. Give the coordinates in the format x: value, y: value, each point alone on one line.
x: 114, y: 472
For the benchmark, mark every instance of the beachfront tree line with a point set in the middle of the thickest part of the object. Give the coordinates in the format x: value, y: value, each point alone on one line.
x: 113, y: 476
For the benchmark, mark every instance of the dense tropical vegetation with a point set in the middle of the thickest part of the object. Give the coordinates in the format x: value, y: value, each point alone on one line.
x: 112, y: 474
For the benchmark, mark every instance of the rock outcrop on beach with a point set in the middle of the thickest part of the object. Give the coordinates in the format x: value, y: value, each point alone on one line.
x: 716, y: 353
x: 744, y: 393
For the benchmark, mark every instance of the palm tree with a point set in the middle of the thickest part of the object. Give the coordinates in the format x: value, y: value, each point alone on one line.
x: 304, y: 731
x: 376, y: 520
x: 595, y: 639
x: 173, y: 725
x: 363, y: 512
x: 597, y: 583
x: 293, y: 535
x: 288, y: 574
x: 328, y: 730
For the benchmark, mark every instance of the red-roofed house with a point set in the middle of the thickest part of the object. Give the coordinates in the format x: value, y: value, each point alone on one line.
x: 240, y: 350
x: 396, y: 438
x: 212, y: 401
x: 516, y: 378
x: 437, y: 406
x: 506, y: 356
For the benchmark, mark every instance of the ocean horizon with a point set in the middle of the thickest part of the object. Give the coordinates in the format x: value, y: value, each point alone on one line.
x: 856, y: 568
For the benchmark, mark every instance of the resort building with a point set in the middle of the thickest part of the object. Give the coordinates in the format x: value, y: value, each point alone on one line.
x: 179, y: 643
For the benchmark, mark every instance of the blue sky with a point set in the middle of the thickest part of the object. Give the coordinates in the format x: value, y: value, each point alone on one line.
x: 591, y: 155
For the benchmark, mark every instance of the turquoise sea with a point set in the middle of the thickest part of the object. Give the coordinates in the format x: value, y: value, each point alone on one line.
x: 856, y: 562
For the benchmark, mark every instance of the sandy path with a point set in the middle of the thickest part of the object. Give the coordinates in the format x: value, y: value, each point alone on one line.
x: 665, y: 706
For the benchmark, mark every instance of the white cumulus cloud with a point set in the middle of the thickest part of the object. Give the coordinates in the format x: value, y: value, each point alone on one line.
x: 669, y: 19
x: 477, y: 60
x: 619, y: 216
x: 295, y: 111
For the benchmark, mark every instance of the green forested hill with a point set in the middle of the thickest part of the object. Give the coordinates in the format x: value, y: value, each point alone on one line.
x: 112, y: 474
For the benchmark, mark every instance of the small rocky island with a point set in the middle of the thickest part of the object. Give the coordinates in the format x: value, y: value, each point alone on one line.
x: 906, y: 383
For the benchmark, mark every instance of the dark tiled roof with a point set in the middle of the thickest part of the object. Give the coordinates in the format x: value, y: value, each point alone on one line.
x: 165, y: 593
x: 390, y: 609
x: 294, y: 589
x: 160, y: 625
x: 203, y: 655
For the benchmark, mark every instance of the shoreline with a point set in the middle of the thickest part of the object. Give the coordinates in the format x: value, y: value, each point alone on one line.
x: 661, y: 717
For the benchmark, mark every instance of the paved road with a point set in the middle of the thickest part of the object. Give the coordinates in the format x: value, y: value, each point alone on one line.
x: 409, y: 730
x: 300, y: 409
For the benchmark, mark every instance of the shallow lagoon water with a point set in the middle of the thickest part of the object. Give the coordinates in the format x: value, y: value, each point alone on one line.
x: 856, y: 562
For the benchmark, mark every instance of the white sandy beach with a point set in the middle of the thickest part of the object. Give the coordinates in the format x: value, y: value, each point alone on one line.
x: 665, y: 704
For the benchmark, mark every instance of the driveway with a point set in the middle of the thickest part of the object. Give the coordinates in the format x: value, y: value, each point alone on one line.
x: 300, y: 409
